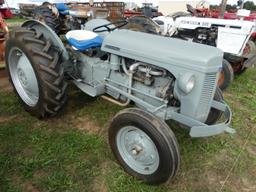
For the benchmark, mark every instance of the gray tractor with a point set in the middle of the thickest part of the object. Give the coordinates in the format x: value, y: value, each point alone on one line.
x: 165, y: 79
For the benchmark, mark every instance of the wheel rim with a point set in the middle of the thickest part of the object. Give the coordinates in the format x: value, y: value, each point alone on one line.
x: 23, y: 76
x: 137, y: 150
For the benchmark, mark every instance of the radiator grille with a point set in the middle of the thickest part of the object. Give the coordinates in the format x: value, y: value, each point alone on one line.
x: 207, y: 93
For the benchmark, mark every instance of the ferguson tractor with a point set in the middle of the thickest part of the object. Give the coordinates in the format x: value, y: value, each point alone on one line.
x: 164, y: 78
x: 233, y: 37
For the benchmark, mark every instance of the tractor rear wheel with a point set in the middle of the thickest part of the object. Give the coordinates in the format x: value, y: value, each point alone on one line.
x: 36, y: 72
x: 144, y: 145
x: 44, y: 14
x: 226, y: 75
x: 215, y: 114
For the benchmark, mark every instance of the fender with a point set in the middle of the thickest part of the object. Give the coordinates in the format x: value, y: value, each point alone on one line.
x: 49, y: 34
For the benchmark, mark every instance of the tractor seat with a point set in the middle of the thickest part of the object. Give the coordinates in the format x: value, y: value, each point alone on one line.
x: 82, y: 40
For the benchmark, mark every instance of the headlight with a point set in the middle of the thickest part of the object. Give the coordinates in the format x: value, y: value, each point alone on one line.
x: 187, y: 82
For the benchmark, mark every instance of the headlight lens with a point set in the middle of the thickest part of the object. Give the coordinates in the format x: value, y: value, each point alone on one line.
x: 187, y: 82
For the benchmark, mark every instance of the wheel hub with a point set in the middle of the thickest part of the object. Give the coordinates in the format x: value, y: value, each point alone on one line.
x: 141, y: 151
x: 22, y: 77
x: 138, y: 150
x: 26, y: 75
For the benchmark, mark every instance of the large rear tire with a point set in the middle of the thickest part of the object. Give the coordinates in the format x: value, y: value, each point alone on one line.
x: 144, y: 145
x: 36, y: 72
x: 44, y: 14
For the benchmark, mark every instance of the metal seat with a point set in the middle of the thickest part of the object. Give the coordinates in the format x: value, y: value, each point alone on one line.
x: 82, y: 40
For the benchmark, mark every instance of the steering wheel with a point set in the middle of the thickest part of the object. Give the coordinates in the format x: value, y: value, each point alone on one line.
x: 108, y: 28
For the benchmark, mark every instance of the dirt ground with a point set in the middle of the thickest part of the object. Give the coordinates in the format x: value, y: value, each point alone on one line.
x: 4, y: 81
x: 3, y: 73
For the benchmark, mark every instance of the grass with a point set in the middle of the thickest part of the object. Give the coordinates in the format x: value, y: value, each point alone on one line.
x: 57, y: 155
x: 15, y: 20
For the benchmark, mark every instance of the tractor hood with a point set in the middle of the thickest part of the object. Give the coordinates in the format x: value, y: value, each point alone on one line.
x: 163, y: 51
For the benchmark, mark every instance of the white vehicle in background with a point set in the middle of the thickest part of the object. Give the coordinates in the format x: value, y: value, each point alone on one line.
x: 233, y: 37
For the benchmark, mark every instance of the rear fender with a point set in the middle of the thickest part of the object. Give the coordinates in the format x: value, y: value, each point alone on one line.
x: 48, y: 34
x: 232, y: 40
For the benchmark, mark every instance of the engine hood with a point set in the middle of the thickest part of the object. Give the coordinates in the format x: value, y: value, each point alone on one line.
x: 165, y: 52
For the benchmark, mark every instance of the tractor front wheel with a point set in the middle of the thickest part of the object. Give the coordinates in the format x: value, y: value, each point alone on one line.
x: 144, y: 145
x: 36, y: 72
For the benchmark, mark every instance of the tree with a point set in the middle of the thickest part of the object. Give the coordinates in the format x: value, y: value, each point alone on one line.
x: 249, y: 5
x: 231, y: 8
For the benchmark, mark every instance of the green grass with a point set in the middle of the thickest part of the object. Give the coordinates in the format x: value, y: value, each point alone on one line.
x: 15, y: 20
x: 57, y: 155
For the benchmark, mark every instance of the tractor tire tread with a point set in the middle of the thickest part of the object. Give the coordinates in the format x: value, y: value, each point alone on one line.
x: 48, y: 70
x: 54, y: 62
x: 47, y: 46
x: 51, y: 86
x: 38, y: 35
x: 34, y: 40
x: 42, y: 54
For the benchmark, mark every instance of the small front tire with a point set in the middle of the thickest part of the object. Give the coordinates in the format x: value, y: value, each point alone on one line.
x: 144, y: 145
